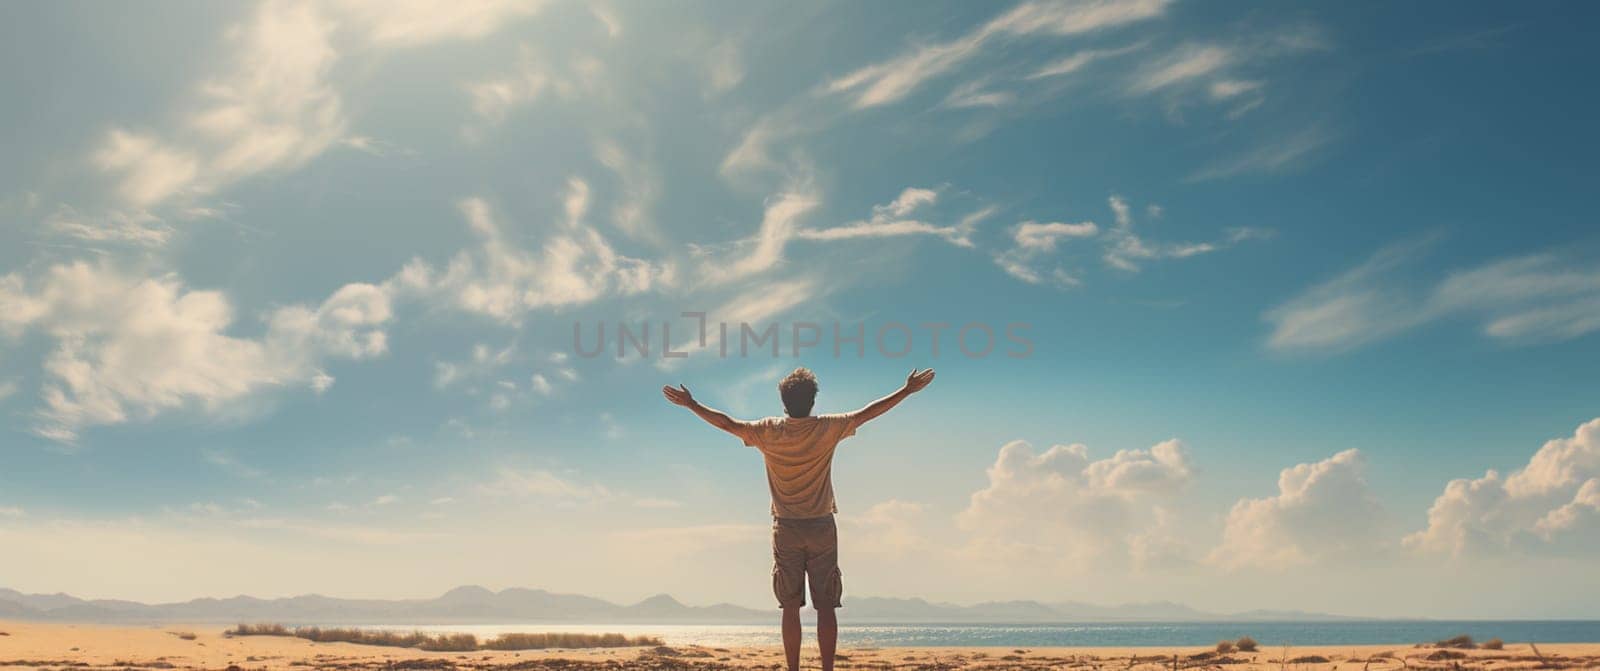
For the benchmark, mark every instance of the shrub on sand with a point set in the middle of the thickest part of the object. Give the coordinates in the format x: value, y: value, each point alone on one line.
x: 450, y: 643
x: 258, y: 629
x: 445, y: 642
x: 1494, y: 644
x: 1224, y: 647
x: 1246, y: 644
x: 1463, y: 642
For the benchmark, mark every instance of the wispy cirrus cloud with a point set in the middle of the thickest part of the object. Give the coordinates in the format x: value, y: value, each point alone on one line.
x: 782, y: 223
x: 1533, y: 298
x: 1278, y: 154
x: 890, y: 81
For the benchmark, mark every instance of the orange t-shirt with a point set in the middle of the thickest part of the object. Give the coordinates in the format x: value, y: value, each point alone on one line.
x: 799, y: 456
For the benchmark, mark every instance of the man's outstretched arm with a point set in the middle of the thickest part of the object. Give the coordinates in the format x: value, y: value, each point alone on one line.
x: 712, y: 416
x: 915, y: 382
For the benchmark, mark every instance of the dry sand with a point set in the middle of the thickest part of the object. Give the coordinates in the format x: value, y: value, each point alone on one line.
x: 66, y: 647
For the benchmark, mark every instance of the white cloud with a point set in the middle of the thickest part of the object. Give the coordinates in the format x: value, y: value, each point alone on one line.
x: 1231, y: 88
x: 977, y: 94
x: 1080, y: 60
x: 542, y: 484
x: 272, y: 106
x: 1031, y: 239
x: 892, y: 80
x: 1280, y: 154
x: 230, y: 464
x: 640, y: 187
x: 501, y: 280
x: 1322, y: 511
x: 1036, y: 237
x: 1533, y: 298
x: 755, y: 306
x: 892, y: 528
x: 1550, y: 505
x: 781, y: 224
x: 409, y: 23
x: 754, y: 150
x: 150, y: 171
x: 894, y: 219
x: 1126, y: 250
x: 483, y: 362
x: 130, y: 346
x: 1121, y: 247
x: 1180, y: 67
x: 492, y: 99
x: 724, y: 68
x: 1059, y: 506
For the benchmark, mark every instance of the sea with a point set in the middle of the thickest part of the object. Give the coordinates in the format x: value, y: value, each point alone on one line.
x: 1108, y: 634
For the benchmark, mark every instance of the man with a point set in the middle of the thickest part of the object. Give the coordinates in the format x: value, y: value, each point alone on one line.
x: 798, y: 449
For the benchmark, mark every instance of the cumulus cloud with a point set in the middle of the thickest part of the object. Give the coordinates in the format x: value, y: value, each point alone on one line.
x: 1551, y: 505
x: 1525, y: 299
x: 1322, y: 511
x: 1060, y: 506
x: 128, y: 346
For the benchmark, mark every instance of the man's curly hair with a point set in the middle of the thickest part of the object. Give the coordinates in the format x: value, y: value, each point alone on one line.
x: 799, y: 392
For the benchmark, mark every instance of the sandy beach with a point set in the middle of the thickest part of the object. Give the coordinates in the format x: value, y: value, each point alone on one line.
x: 35, y: 646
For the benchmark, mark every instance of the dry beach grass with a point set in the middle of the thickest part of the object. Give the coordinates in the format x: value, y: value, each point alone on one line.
x: 65, y: 647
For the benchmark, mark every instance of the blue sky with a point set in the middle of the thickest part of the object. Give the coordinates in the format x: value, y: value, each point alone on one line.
x: 287, y: 296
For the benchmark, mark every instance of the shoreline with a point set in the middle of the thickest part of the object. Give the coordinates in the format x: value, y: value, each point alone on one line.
x: 93, y: 647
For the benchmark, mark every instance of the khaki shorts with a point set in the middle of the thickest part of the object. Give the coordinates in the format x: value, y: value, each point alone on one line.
x: 801, y: 548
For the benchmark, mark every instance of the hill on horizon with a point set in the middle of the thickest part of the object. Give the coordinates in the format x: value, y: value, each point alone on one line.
x: 472, y: 604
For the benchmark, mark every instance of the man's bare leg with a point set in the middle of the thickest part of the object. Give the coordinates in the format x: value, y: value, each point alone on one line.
x: 827, y: 636
x: 791, y: 639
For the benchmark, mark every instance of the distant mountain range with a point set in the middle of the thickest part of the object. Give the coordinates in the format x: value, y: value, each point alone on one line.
x: 477, y: 605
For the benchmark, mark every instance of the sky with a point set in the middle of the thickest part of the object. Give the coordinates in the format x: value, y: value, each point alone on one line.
x: 1284, y: 305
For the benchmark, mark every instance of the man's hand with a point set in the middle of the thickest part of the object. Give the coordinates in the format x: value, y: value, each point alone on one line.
x: 679, y: 396
x: 918, y: 380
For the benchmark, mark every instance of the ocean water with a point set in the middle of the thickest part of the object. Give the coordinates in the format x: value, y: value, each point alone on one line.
x: 1155, y: 634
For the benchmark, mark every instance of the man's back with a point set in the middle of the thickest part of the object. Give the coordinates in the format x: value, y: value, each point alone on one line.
x: 798, y: 452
